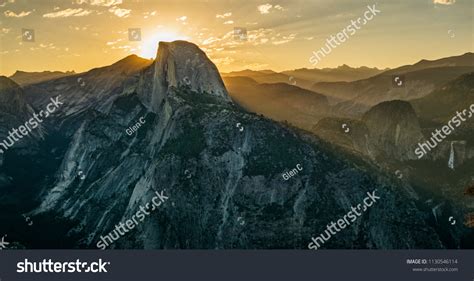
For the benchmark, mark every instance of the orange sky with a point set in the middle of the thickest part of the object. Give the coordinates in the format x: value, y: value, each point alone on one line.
x: 82, y: 34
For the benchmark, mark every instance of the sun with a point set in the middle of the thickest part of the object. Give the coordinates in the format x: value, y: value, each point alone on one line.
x: 149, y: 44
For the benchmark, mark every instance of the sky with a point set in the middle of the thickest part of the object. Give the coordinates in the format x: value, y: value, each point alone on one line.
x: 64, y: 35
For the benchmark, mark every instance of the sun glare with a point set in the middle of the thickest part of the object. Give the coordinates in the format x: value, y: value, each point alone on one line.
x: 149, y: 44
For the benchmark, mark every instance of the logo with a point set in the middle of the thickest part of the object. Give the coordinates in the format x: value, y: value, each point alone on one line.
x: 3, y: 243
x: 398, y: 81
x: 452, y: 220
x: 451, y: 33
x: 134, y: 34
x: 28, y: 220
x: 346, y: 128
x: 81, y: 82
x: 292, y: 80
x: 28, y: 35
x: 186, y: 80
x: 239, y: 125
x: 240, y: 33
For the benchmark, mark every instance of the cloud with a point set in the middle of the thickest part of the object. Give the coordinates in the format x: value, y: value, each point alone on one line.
x: 103, y: 3
x: 229, y: 22
x: 444, y: 2
x: 264, y: 9
x: 210, y: 40
x: 121, y: 13
x: 149, y: 14
x: 182, y: 19
x: 283, y: 39
x: 68, y: 13
x: 113, y: 42
x: 11, y: 14
x: 223, y: 16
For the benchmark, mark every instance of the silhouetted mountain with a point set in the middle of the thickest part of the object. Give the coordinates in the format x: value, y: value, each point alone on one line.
x: 305, y: 78
x: 341, y: 73
x: 269, y: 77
x: 466, y: 59
x: 94, y: 89
x: 25, y: 78
x: 360, y: 95
x: 441, y: 105
x: 278, y: 101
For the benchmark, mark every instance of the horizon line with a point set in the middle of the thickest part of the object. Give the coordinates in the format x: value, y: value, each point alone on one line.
x: 239, y: 69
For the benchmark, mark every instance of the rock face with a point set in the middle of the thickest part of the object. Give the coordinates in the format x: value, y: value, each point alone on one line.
x: 183, y: 63
x: 220, y: 166
x: 12, y: 99
x: 15, y: 111
x: 394, y: 130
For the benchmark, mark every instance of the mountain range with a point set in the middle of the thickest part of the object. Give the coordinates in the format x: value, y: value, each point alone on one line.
x: 218, y: 149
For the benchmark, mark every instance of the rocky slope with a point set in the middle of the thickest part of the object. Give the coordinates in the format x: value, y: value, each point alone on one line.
x: 220, y: 166
x: 15, y: 111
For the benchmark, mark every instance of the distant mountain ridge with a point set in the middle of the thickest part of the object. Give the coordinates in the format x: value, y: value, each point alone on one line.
x: 25, y: 78
x: 305, y: 78
x: 359, y: 96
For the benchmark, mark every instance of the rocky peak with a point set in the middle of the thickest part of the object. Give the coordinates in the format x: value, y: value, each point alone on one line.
x: 181, y: 63
x: 394, y: 129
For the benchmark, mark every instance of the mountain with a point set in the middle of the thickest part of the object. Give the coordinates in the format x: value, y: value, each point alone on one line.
x: 394, y: 130
x: 388, y: 132
x: 25, y: 78
x: 305, y: 78
x: 420, y: 80
x: 441, y: 104
x: 341, y: 73
x: 94, y: 89
x: 269, y: 77
x: 278, y: 101
x: 466, y: 59
x: 182, y: 63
